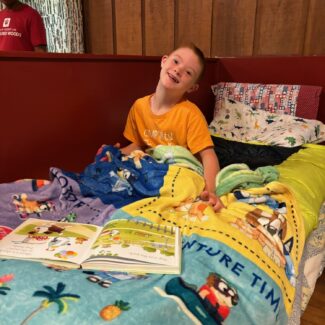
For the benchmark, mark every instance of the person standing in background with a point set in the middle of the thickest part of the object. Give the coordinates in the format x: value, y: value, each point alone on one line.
x: 21, y: 28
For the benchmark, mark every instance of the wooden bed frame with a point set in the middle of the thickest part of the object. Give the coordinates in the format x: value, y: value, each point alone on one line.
x: 58, y: 109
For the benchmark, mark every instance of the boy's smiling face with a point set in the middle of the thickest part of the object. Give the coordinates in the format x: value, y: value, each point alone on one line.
x: 180, y: 70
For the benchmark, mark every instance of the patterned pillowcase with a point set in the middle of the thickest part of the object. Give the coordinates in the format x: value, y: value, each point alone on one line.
x: 240, y: 122
x: 298, y: 100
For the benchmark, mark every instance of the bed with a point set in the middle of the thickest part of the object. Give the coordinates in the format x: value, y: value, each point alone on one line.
x: 257, y: 259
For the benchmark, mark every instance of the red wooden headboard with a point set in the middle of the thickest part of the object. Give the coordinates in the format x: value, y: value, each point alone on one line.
x: 57, y: 109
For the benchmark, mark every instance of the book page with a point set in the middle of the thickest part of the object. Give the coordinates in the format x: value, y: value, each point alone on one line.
x: 50, y: 240
x: 129, y: 241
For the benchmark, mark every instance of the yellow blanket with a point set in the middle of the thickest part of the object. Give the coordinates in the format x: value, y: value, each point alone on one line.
x: 273, y: 241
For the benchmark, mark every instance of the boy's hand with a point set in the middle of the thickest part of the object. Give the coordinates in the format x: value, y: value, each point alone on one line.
x: 127, y: 149
x: 212, y: 199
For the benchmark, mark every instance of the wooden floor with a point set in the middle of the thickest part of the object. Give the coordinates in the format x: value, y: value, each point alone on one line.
x: 315, y: 312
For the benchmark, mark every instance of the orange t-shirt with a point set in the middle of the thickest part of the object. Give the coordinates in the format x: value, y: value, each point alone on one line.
x: 183, y: 125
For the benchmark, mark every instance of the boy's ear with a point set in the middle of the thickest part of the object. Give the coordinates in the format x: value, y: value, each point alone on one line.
x: 163, y: 60
x: 193, y: 88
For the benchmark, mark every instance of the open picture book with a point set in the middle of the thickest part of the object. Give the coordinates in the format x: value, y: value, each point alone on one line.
x: 126, y: 245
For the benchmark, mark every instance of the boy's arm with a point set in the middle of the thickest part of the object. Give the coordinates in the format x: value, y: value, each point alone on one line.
x: 129, y: 148
x: 40, y: 48
x: 211, y: 168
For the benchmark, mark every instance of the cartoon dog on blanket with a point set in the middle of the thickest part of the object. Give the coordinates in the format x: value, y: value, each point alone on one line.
x: 269, y: 229
x: 194, y: 209
x: 211, y: 303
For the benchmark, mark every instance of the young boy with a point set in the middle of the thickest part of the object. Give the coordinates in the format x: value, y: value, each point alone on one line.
x: 167, y: 118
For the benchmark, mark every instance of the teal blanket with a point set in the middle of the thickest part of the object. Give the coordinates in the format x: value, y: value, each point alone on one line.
x: 239, y: 266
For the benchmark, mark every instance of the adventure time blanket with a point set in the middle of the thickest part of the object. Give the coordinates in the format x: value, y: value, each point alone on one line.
x: 238, y: 265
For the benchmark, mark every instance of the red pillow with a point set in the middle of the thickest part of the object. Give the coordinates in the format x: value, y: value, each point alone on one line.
x: 308, y: 101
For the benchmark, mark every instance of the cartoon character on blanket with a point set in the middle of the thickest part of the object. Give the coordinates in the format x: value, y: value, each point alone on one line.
x: 242, y: 260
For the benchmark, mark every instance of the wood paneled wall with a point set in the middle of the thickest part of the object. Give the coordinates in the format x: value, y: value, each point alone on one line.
x: 218, y: 27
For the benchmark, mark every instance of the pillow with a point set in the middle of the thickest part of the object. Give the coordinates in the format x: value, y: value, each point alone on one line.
x: 304, y: 173
x: 253, y: 155
x: 298, y: 100
x: 240, y: 122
